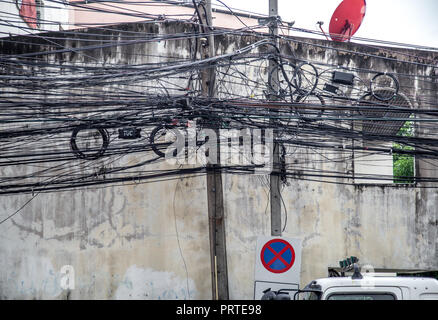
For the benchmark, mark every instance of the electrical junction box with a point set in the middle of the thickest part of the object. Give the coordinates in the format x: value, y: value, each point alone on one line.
x: 343, y: 77
x: 129, y: 133
x: 330, y: 88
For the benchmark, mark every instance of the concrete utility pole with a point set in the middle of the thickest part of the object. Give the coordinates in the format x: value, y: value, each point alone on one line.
x: 275, y: 175
x: 218, y: 253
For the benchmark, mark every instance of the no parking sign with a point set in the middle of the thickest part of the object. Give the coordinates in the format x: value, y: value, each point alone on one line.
x: 278, y: 264
x: 277, y: 256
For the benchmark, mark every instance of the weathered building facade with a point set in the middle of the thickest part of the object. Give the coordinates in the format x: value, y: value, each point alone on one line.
x: 151, y: 241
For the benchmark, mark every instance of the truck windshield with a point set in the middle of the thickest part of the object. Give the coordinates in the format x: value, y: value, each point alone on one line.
x: 361, y: 296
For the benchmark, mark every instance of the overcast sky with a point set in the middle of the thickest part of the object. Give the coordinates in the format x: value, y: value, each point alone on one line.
x: 405, y: 21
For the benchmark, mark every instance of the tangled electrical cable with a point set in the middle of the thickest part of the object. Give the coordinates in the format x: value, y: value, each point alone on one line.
x: 79, y: 116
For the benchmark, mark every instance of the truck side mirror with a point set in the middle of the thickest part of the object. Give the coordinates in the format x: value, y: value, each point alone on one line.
x: 268, y: 295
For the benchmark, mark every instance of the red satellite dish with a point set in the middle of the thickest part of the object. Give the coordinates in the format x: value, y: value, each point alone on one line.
x: 347, y: 19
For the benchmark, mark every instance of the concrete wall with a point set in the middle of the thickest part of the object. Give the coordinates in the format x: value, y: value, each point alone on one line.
x: 150, y: 241
x: 385, y: 227
x: 144, y: 241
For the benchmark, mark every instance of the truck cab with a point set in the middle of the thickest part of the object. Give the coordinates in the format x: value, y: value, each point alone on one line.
x: 370, y: 288
x: 360, y: 287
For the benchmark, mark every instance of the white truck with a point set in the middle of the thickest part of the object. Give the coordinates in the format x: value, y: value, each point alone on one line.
x: 358, y: 287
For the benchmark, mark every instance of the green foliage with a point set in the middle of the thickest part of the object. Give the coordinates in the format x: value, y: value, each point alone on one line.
x: 407, y: 130
x: 404, y: 163
x: 403, y: 168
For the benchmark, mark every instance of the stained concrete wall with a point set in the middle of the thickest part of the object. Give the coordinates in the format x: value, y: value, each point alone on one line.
x: 123, y: 242
x: 384, y: 227
x: 150, y: 241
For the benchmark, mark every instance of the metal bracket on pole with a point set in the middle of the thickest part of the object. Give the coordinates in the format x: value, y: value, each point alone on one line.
x: 269, y: 20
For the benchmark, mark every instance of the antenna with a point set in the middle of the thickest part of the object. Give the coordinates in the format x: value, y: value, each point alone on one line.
x: 346, y: 19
